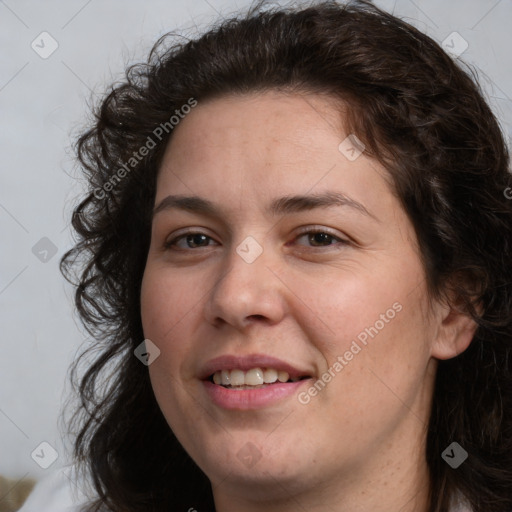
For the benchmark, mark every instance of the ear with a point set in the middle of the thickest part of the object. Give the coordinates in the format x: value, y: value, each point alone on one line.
x: 455, y: 331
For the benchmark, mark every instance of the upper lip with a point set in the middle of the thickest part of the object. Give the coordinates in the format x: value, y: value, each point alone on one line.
x: 245, y: 363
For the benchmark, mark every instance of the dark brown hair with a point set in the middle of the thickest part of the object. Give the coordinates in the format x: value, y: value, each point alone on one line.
x: 419, y: 113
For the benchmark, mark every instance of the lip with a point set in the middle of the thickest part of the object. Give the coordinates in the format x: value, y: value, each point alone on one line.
x: 246, y: 363
x: 244, y: 399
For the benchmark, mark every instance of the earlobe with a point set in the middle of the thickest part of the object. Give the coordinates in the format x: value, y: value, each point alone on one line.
x: 454, y: 334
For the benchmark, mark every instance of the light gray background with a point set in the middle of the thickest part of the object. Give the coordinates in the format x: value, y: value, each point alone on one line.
x: 43, y: 105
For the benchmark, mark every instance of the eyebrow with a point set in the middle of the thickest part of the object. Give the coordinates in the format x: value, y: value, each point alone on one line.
x: 279, y: 206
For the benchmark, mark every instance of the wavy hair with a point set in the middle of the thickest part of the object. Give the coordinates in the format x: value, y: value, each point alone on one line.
x: 419, y: 112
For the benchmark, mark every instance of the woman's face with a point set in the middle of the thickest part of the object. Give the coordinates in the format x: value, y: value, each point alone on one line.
x: 238, y: 286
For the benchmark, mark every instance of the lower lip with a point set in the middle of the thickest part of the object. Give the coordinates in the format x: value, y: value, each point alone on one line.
x: 244, y: 399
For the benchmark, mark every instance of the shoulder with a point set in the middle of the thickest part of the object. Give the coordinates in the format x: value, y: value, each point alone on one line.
x: 59, y: 491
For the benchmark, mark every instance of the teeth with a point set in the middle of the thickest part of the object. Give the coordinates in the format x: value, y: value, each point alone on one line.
x: 253, y: 377
x: 282, y: 376
x: 270, y: 375
x: 237, y: 378
x: 225, y: 376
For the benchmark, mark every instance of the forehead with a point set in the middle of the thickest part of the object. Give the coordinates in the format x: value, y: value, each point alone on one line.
x: 253, y: 147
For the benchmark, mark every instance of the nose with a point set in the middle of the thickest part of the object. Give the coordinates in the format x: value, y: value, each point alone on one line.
x: 245, y: 293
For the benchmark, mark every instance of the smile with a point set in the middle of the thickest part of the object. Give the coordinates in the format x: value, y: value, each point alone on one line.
x: 252, y: 379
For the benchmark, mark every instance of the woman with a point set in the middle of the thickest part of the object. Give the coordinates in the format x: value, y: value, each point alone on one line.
x: 297, y: 249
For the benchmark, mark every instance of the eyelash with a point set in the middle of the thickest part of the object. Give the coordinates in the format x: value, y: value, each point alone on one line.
x: 310, y: 231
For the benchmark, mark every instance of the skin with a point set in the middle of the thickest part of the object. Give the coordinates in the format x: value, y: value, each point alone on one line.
x: 359, y: 444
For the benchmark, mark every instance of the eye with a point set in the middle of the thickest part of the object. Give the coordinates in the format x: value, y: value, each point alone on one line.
x: 321, y: 238
x: 190, y: 240
x: 318, y: 238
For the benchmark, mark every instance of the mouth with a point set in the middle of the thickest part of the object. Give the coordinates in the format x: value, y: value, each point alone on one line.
x: 251, y: 382
x: 255, y: 378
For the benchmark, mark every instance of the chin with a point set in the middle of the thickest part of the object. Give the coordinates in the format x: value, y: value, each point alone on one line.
x: 266, y: 480
x: 251, y: 460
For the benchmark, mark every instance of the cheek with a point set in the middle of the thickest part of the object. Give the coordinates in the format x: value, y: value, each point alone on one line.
x: 165, y: 304
x: 357, y: 308
x: 386, y: 360
x: 378, y: 326
x: 171, y: 307
x: 163, y: 307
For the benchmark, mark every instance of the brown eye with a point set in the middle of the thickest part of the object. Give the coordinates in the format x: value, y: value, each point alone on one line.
x: 190, y: 240
x: 321, y: 238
